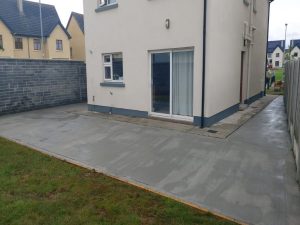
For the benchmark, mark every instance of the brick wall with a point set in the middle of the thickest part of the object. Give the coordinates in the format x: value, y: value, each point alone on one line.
x: 33, y: 84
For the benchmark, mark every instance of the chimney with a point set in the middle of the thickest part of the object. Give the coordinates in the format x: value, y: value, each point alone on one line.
x: 20, y: 6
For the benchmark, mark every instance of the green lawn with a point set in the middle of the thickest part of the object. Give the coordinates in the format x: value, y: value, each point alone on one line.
x: 279, y: 74
x: 278, y: 77
x: 39, y: 190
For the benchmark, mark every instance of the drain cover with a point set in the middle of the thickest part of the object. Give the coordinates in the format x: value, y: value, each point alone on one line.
x: 212, y: 131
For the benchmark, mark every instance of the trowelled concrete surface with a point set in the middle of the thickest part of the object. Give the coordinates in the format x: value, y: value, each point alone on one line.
x: 250, y: 176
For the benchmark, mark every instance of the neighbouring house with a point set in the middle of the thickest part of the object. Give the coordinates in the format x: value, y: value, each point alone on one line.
x: 276, y: 53
x: 20, y: 31
x: 75, y: 28
x: 166, y: 59
x: 295, y: 49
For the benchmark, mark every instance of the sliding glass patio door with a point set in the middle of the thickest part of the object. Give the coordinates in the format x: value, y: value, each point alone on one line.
x: 172, y: 84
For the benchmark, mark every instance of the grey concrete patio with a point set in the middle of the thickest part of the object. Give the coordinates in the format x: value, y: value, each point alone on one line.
x: 249, y: 176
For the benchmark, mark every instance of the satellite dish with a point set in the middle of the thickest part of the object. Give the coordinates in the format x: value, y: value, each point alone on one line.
x: 102, y: 3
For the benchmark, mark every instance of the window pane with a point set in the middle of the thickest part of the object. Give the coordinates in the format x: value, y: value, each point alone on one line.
x: 117, y: 67
x: 107, y: 72
x: 111, y: 1
x: 59, y: 45
x: 18, y: 43
x: 37, y: 44
x: 182, y: 87
x: 1, y: 42
x: 107, y: 59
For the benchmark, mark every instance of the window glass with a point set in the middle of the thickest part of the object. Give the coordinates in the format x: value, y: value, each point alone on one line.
x: 107, y: 73
x: 117, y: 67
x: 277, y: 54
x: 18, y: 43
x: 37, y: 44
x: 109, y: 2
x: 107, y: 58
x: 59, y: 45
x: 1, y: 42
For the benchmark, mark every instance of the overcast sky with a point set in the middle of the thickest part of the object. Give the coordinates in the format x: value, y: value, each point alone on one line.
x: 282, y: 11
x: 285, y: 11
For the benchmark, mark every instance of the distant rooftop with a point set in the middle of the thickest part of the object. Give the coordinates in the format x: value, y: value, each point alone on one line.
x: 272, y: 45
x: 28, y: 23
x: 79, y: 18
x: 295, y: 43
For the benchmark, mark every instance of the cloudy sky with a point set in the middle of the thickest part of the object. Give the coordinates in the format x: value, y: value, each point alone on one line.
x: 282, y: 11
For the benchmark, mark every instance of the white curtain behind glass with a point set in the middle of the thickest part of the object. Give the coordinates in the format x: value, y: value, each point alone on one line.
x: 183, y: 64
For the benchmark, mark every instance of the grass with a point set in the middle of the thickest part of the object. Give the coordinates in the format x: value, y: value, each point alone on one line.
x: 278, y: 77
x: 279, y: 74
x: 41, y: 190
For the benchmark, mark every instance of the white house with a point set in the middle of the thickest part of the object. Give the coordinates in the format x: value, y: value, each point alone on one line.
x: 295, y: 49
x: 276, y: 53
x: 165, y: 58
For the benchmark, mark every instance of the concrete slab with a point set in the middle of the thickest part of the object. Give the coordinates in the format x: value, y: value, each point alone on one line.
x: 249, y: 176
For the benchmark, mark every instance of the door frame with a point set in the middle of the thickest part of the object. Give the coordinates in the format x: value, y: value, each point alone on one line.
x: 169, y: 116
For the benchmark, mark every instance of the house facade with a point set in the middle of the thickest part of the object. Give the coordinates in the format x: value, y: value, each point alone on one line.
x: 295, y: 49
x: 276, y: 53
x: 75, y: 28
x: 21, y: 33
x: 158, y: 58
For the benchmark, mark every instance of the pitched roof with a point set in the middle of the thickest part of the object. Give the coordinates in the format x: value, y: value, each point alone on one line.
x: 272, y: 45
x: 28, y: 24
x: 295, y: 43
x: 79, y: 18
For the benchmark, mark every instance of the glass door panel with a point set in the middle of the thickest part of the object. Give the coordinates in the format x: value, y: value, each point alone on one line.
x: 161, y: 72
x: 182, y: 83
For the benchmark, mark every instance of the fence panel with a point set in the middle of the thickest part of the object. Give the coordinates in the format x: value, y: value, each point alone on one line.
x: 292, y: 102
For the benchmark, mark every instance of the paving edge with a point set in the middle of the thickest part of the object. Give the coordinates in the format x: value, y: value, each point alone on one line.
x: 126, y: 181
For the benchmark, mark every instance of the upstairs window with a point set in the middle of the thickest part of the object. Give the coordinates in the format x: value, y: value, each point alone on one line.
x: 1, y: 43
x: 113, y: 67
x: 59, y: 45
x: 106, y: 2
x: 295, y: 54
x: 36, y: 44
x: 19, y: 43
x: 277, y: 55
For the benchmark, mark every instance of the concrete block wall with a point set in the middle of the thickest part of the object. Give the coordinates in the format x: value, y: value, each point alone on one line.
x: 34, y: 84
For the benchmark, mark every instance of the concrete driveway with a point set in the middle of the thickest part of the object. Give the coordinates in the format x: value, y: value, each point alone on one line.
x: 249, y: 176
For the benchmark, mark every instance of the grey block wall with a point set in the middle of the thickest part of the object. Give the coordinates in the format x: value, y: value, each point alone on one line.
x: 34, y: 84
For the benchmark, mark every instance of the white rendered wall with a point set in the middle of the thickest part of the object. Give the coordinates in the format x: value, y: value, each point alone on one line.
x: 135, y: 28
x: 295, y: 50
x: 225, y: 38
x: 275, y: 58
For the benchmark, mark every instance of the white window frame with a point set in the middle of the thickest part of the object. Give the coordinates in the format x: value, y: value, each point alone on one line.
x: 103, y: 3
x: 110, y: 65
x: 170, y: 115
